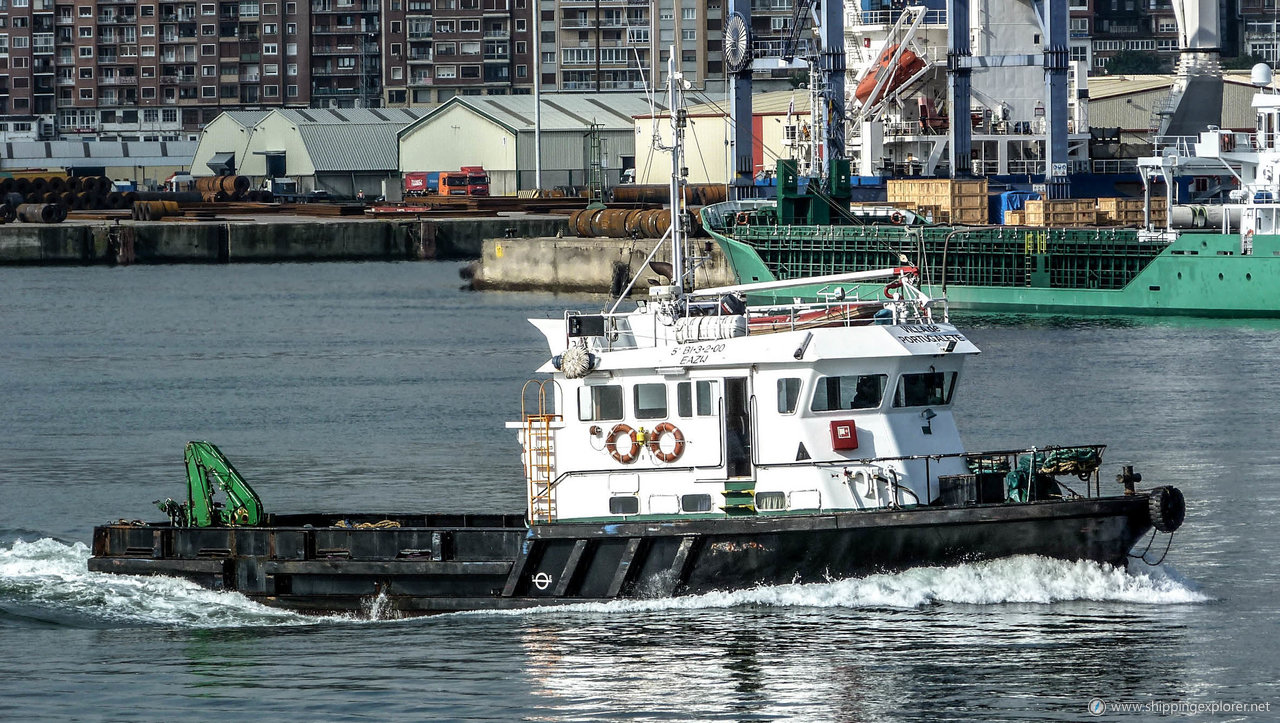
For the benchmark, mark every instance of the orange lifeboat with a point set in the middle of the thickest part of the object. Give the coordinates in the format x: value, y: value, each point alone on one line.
x: 908, y: 65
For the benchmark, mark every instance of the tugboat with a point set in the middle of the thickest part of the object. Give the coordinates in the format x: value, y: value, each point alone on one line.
x: 688, y: 445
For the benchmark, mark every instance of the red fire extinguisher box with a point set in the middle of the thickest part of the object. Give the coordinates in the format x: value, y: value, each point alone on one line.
x: 844, y: 435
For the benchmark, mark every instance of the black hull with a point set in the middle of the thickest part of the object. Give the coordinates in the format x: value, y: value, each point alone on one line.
x: 443, y: 563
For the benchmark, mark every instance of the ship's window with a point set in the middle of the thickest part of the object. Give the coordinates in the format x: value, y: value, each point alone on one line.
x: 703, y: 392
x: 695, y: 503
x: 852, y: 392
x: 651, y: 401
x: 920, y: 390
x: 788, y: 395
x: 771, y: 501
x: 624, y: 505
x: 599, y: 403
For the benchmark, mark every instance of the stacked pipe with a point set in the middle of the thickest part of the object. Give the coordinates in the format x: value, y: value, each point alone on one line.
x: 42, y: 213
x: 698, y: 194
x: 8, y: 214
x: 223, y: 188
x: 627, y: 223
x: 73, y: 192
x: 154, y: 210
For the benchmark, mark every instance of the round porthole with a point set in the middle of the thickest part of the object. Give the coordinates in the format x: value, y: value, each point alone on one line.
x: 1248, y: 277
x: 1179, y: 275
x: 1220, y: 277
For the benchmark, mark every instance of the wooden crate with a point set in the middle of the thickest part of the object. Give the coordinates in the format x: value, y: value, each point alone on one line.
x: 1120, y: 211
x: 957, y: 200
x: 1015, y: 218
x: 1065, y: 212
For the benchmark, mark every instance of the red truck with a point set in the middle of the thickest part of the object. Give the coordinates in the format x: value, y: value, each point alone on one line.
x: 466, y: 181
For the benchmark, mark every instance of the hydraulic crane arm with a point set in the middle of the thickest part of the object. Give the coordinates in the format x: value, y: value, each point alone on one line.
x: 209, y: 471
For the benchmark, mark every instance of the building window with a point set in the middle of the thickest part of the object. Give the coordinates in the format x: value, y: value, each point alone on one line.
x: 86, y: 11
x: 148, y: 31
x: 444, y: 26
x: 270, y: 91
x: 689, y: 13
x: 148, y: 51
x: 269, y: 8
x: 468, y: 26
x: 208, y: 9
x: 271, y: 69
x: 86, y: 51
x: 291, y: 29
x: 522, y: 71
x: 291, y: 69
x: 397, y: 73
x: 170, y: 115
x: 208, y: 30
x: 291, y: 91
x: 149, y: 94
x: 208, y: 91
x: 86, y: 31
x: 291, y: 49
x: 150, y: 115
x: 207, y: 49
x: 291, y: 8
x: 270, y: 49
x: 269, y: 28
x: 86, y: 94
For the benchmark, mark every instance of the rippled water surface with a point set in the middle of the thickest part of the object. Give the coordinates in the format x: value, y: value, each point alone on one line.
x: 384, y: 387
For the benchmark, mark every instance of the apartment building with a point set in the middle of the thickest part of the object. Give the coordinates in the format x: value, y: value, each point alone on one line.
x: 1145, y: 26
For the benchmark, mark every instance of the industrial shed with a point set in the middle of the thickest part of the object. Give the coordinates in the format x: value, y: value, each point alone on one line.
x: 146, y: 163
x: 497, y: 132
x: 708, y: 133
x: 341, y: 151
x: 223, y: 141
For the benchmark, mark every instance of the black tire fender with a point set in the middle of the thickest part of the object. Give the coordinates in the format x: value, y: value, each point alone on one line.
x: 1167, y: 508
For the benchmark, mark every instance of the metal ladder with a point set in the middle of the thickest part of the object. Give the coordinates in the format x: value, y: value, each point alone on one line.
x: 539, y: 455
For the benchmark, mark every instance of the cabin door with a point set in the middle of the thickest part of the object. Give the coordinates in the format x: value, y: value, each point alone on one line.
x: 737, y: 427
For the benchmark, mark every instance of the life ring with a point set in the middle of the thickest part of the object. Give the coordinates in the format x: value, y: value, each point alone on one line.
x: 655, y: 442
x: 1228, y: 142
x: 897, y: 218
x: 611, y: 444
x: 892, y: 286
x: 743, y: 218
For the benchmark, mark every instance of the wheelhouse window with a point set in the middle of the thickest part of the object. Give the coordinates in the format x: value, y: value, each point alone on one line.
x: 650, y: 401
x: 863, y: 391
x: 788, y: 395
x: 922, y: 390
x: 699, y: 395
x: 600, y: 403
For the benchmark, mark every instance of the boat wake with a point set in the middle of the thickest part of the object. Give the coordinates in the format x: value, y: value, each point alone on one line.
x: 1021, y: 579
x: 47, y: 580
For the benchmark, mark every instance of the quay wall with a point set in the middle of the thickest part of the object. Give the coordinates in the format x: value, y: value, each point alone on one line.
x: 572, y: 264
x: 261, y: 240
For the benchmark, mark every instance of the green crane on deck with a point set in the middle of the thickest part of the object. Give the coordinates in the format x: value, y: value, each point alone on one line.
x: 209, y: 471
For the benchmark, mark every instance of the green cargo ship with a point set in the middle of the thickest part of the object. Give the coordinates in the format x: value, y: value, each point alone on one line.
x: 1002, y: 268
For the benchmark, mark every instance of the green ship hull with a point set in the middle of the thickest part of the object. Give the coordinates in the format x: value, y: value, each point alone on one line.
x: 1016, y: 269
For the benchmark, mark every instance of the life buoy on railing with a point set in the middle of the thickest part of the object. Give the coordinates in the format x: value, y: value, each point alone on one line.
x: 892, y: 286
x: 743, y: 218
x: 611, y: 443
x: 897, y: 218
x: 1228, y: 141
x: 655, y: 442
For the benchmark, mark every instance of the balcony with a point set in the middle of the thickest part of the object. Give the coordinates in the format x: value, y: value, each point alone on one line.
x: 66, y: 21
x: 66, y: 81
x: 120, y: 80
x: 420, y: 57
x: 250, y: 78
x: 497, y: 34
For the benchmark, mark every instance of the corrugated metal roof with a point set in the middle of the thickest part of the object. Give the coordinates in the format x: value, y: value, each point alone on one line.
x: 774, y: 102
x: 61, y: 154
x: 352, y: 146
x: 246, y: 118
x: 363, y: 116
x: 560, y: 111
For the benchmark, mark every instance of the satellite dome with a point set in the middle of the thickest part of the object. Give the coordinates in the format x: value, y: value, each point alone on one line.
x: 1261, y: 74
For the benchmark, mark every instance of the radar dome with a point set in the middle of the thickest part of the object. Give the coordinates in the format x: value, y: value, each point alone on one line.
x: 1261, y: 74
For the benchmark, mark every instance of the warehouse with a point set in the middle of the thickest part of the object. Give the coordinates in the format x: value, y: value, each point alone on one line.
x: 144, y: 163
x: 497, y: 132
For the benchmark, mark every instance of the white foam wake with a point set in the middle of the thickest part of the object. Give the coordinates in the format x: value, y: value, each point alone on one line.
x: 1023, y: 579
x: 49, y: 580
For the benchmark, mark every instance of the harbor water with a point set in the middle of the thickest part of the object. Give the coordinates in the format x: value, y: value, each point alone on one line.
x: 384, y: 387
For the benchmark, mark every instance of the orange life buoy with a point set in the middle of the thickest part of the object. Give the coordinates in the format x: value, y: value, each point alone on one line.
x: 611, y: 443
x: 892, y: 286
x: 897, y: 217
x: 1228, y: 142
x: 743, y: 218
x: 655, y: 442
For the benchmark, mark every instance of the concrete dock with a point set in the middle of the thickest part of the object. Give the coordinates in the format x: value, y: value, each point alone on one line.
x: 273, y: 238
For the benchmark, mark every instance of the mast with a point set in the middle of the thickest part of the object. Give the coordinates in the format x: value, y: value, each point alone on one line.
x: 675, y: 81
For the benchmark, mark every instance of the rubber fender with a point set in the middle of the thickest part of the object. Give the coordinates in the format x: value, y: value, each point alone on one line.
x: 1167, y: 508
